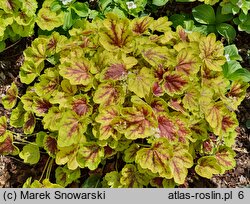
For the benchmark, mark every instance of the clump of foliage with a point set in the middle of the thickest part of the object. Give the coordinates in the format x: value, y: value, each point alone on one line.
x: 17, y: 19
x: 132, y: 101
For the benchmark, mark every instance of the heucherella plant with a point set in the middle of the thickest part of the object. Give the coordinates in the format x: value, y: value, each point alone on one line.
x: 132, y: 102
x: 17, y: 19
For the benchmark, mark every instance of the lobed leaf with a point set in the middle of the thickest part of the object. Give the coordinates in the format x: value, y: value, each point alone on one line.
x: 65, y: 176
x: 7, y: 146
x: 29, y: 123
x: 10, y: 99
x: 3, y: 125
x: 30, y: 153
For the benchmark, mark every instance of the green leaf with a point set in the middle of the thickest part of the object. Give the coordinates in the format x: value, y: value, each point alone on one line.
x: 81, y: 9
x: 65, y: 176
x: 30, y: 154
x: 204, y: 14
x: 113, y: 179
x: 159, y: 2
x: 130, y: 153
x: 68, y: 20
x: 156, y: 158
x: 207, y: 166
x: 6, y: 144
x: 39, y: 138
x: 52, y: 119
x: 141, y: 83
x: 93, y: 181
x: 131, y: 178
x: 227, y: 31
x: 67, y: 155
x: 3, y: 125
x: 10, y: 99
x: 225, y: 157
x: 220, y: 17
x: 90, y: 155
x: 17, y: 116
x: 231, y: 51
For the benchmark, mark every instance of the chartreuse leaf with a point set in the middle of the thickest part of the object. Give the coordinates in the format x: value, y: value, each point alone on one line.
x: 36, y: 184
x: 211, y: 52
x: 167, y: 127
x: 30, y: 153
x: 17, y: 116
x: 141, y: 25
x: 3, y: 125
x: 138, y: 122
x: 115, y: 34
x: 50, y: 145
x: 65, y: 176
x: 40, y: 106
x: 39, y: 138
x: 71, y: 129
x: 9, y: 100
x: 109, y: 94
x: 207, y: 166
x: 10, y: 6
x: 67, y: 155
x: 141, y: 83
x: 51, y: 120
x: 131, y: 178
x: 29, y: 122
x: 113, y: 179
x: 80, y: 105
x: 77, y: 71
x: 156, y: 158
x: 190, y: 99
x: 6, y: 144
x: 225, y: 157
x: 90, y: 155
x: 67, y: 87
x: 29, y: 71
x: 130, y: 153
x: 161, y: 24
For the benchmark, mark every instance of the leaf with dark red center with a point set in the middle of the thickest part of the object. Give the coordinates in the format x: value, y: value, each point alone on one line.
x: 9, y: 100
x: 65, y: 176
x: 80, y: 105
x: 183, y: 133
x: 138, y: 122
x: 29, y: 122
x: 71, y: 129
x: 174, y: 83
x: 7, y: 146
x: 50, y: 145
x: 108, y: 94
x: 167, y: 127
x: 68, y: 88
x: 130, y: 153
x: 51, y: 120
x: 116, y: 71
x: 229, y: 123
x: 132, y: 178
x: 157, y: 89
x: 141, y: 83
x: 182, y: 34
x: 77, y: 71
x: 141, y: 25
x: 10, y: 6
x: 156, y: 158
x: 159, y: 105
x: 115, y: 34
x: 225, y: 157
x: 40, y: 106
x: 90, y: 155
x: 3, y: 125
x: 177, y: 105
x: 191, y: 98
x: 187, y: 63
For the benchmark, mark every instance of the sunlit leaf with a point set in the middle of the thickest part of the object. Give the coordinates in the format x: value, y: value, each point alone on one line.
x: 67, y: 155
x: 3, y: 125
x: 7, y: 146
x: 50, y: 145
x: 10, y: 99
x: 17, y: 116
x: 30, y: 154
x: 40, y: 106
x: 113, y: 179
x: 52, y: 119
x: 225, y: 157
x: 80, y: 105
x: 29, y: 123
x: 130, y: 153
x: 141, y: 25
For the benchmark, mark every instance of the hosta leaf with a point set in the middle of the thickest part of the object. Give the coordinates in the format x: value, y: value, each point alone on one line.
x: 131, y: 178
x: 113, y: 179
x: 187, y: 62
x: 207, y: 166
x: 115, y: 34
x: 51, y: 120
x: 17, y: 116
x: 30, y: 154
x: 48, y: 20
x: 141, y: 83
x: 3, y: 125
x: 141, y: 25
x: 29, y: 123
x: 71, y: 129
x: 156, y: 158
x: 204, y: 14
x: 174, y: 83
x: 9, y: 100
x: 77, y: 71
x: 50, y: 145
x: 40, y: 106
x: 67, y: 155
x: 90, y: 155
x: 108, y: 94
x: 138, y: 122
x: 167, y: 127
x: 225, y: 157
x: 211, y: 52
x: 130, y: 153
x: 7, y: 146
x: 80, y: 105
x: 179, y: 164
x: 65, y: 176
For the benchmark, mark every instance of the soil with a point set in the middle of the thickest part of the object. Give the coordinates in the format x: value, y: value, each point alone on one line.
x: 13, y: 172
